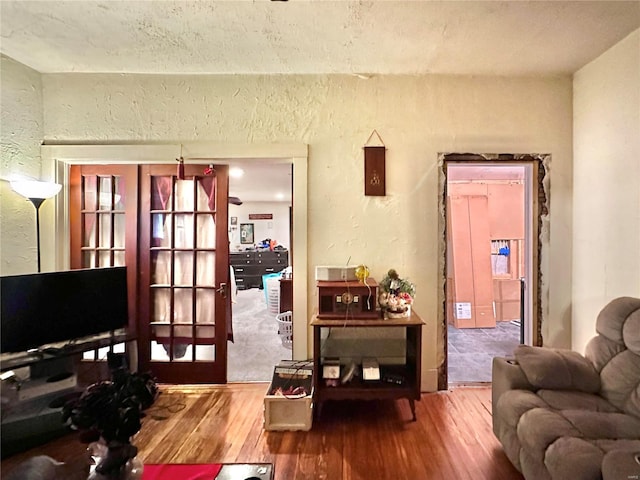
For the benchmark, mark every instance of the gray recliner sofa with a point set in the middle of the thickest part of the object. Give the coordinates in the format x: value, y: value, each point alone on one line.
x: 560, y: 415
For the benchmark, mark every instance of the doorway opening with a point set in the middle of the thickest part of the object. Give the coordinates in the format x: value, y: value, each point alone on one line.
x: 492, y: 220
x: 260, y: 257
x: 59, y: 159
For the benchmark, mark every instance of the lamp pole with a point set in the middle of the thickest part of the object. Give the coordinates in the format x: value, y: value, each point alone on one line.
x: 36, y: 203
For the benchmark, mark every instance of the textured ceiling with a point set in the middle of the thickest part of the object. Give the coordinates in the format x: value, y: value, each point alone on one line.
x: 313, y: 37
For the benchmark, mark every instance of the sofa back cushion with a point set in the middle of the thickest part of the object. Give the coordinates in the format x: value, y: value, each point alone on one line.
x: 631, y: 331
x: 619, y: 321
x: 615, y: 353
x: 620, y: 379
x: 557, y: 369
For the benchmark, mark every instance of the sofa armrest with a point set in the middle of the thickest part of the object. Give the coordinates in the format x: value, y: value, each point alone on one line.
x: 506, y: 375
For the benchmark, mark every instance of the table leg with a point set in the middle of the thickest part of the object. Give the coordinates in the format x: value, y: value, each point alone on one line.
x: 412, y: 404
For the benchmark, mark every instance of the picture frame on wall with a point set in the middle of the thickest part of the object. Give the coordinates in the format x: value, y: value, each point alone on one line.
x: 234, y: 220
x: 246, y: 233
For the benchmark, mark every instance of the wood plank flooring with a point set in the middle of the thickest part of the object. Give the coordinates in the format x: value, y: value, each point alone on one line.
x: 451, y: 439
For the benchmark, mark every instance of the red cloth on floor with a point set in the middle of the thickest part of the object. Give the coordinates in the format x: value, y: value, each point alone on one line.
x: 181, y: 471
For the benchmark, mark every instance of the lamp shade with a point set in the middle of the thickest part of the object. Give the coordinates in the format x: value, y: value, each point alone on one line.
x: 35, y: 189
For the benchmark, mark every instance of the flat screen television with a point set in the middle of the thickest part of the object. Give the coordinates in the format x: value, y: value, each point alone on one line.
x: 44, y: 308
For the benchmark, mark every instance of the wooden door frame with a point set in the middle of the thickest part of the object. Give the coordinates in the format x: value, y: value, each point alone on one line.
x: 56, y: 160
x: 539, y: 210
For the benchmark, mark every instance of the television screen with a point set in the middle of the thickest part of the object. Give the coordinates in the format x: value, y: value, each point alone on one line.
x: 43, y: 308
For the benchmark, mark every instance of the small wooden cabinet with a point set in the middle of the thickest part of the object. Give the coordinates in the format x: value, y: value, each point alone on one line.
x: 286, y: 294
x: 248, y: 267
x: 398, y: 379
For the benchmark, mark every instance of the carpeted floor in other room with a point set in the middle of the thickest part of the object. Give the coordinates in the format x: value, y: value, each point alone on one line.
x: 257, y: 347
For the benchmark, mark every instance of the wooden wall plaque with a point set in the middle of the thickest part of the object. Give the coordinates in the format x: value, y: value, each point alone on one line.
x: 374, y: 171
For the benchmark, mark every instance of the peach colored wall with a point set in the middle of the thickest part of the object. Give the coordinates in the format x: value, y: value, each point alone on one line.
x: 506, y: 211
x: 468, y: 275
x: 506, y: 206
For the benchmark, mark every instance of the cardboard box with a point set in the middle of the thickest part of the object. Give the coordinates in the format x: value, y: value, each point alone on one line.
x: 288, y: 404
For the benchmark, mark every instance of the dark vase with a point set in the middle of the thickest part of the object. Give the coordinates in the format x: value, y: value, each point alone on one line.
x: 114, y: 461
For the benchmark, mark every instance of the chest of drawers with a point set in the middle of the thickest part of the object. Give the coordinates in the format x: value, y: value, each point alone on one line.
x: 249, y: 267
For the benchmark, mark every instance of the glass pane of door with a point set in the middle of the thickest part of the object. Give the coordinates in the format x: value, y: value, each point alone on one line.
x: 103, y: 220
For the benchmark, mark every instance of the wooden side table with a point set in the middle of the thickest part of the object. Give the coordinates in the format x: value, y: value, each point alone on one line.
x: 397, y: 380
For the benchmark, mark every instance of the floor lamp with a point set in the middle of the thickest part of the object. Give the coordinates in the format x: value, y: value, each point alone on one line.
x: 37, y: 192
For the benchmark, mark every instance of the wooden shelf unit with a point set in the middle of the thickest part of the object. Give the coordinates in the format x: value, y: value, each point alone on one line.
x: 359, y: 389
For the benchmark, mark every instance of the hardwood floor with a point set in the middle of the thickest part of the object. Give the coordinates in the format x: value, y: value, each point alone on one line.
x: 451, y: 439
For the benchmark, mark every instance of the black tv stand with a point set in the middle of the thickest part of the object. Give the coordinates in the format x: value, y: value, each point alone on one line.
x: 33, y: 414
x: 32, y: 408
x: 10, y: 361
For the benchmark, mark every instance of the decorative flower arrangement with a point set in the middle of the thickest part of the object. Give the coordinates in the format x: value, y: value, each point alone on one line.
x: 396, y: 295
x: 109, y: 412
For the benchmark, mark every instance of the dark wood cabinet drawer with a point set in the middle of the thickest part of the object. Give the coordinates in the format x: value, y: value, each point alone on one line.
x: 271, y: 255
x: 242, y: 258
x: 272, y: 258
x: 273, y: 262
x: 271, y: 269
x: 253, y: 281
x: 249, y: 281
x: 244, y: 270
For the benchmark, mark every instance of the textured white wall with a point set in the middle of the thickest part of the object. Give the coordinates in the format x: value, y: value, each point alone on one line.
x: 606, y: 200
x: 416, y: 116
x: 21, y: 134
